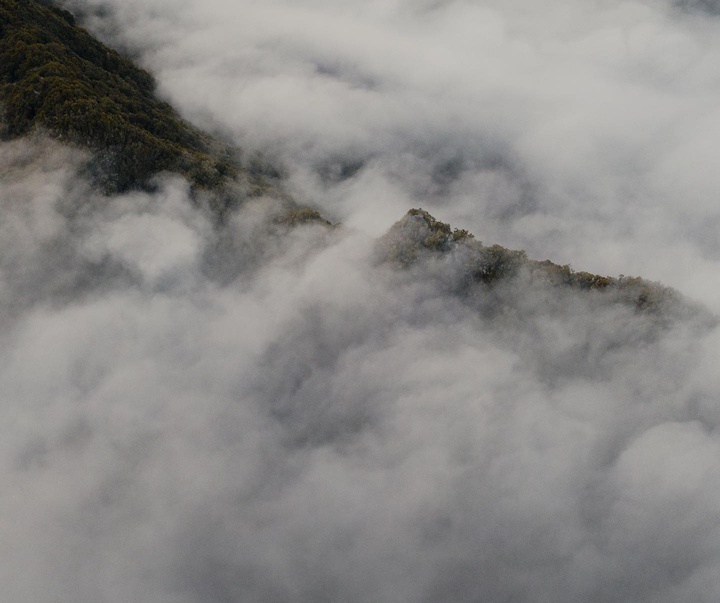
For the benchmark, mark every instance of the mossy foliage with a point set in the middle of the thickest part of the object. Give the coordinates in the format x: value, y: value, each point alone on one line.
x: 55, y: 76
x: 419, y: 237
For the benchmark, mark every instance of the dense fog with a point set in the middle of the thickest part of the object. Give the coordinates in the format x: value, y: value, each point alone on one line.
x: 583, y: 132
x: 246, y: 412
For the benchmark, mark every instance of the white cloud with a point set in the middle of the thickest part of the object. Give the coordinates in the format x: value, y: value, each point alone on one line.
x: 603, y: 111
x: 200, y: 414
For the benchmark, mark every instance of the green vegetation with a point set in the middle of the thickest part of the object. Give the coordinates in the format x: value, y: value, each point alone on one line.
x: 302, y: 215
x: 56, y: 77
x: 419, y: 237
x: 440, y: 235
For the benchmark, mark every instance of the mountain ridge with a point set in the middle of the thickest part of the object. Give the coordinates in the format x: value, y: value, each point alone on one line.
x: 55, y: 77
x: 419, y: 238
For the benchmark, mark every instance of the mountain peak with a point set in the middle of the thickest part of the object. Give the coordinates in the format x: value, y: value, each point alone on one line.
x: 419, y: 239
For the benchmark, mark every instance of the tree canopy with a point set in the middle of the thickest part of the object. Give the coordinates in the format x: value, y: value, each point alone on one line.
x: 56, y: 76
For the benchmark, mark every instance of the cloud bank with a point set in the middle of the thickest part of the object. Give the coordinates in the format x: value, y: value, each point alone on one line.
x: 315, y: 426
x: 581, y: 132
x: 202, y: 414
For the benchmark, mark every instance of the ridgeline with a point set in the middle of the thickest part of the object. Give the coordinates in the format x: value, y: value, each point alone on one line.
x: 420, y: 242
x: 56, y: 78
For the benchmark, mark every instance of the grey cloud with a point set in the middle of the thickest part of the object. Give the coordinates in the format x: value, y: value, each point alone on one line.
x: 708, y: 6
x: 583, y: 134
x: 321, y: 427
x: 210, y: 413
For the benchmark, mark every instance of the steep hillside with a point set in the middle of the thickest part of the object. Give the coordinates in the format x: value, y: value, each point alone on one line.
x: 55, y: 76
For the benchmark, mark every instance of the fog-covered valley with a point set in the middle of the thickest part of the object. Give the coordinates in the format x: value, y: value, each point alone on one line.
x: 248, y: 411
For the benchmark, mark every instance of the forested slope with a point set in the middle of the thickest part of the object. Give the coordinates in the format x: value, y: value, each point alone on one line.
x: 56, y: 76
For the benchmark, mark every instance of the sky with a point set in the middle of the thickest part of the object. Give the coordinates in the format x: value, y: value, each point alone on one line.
x: 210, y: 414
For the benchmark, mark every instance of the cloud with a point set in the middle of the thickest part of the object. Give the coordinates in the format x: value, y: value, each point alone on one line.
x: 314, y: 425
x: 581, y: 133
x: 203, y: 413
x: 710, y: 7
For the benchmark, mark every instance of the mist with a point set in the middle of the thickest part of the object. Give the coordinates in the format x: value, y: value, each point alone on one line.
x: 580, y: 132
x: 247, y: 412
